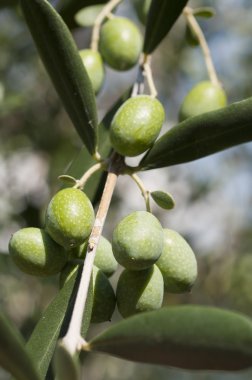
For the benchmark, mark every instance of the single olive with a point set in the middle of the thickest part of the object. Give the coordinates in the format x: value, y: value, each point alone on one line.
x: 93, y: 63
x: 177, y: 263
x: 104, y: 297
x: 35, y: 253
x: 69, y: 217
x: 138, y: 240
x: 120, y: 43
x: 104, y: 257
x: 136, y: 125
x: 204, y: 97
x: 139, y: 291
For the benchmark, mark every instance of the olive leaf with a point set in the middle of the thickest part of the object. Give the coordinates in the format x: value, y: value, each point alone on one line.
x: 54, y: 323
x: 188, y: 337
x: 201, y: 136
x: 161, y: 18
x: 68, y: 9
x: 205, y: 12
x: 65, y: 366
x: 86, y: 16
x: 65, y: 67
x: 13, y: 355
x: 67, y: 180
x: 163, y: 200
x: 83, y: 160
x: 191, y: 37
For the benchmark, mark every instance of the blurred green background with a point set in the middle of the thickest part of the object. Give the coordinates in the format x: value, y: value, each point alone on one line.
x: 213, y: 195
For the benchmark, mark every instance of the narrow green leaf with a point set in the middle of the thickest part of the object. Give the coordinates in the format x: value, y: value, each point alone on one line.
x: 68, y: 9
x: 163, y: 200
x: 83, y: 161
x: 86, y: 16
x: 8, y: 3
x: 13, y: 355
x: 67, y: 180
x: 65, y: 67
x: 191, y: 37
x: 161, y: 18
x: 53, y: 324
x: 205, y: 12
x: 201, y: 136
x: 65, y: 366
x: 189, y: 337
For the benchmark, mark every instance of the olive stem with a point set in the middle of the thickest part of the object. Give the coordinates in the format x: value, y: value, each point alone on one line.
x: 147, y: 72
x: 138, y: 87
x: 73, y: 340
x: 188, y: 12
x: 105, y: 12
x: 82, y: 181
x: 145, y: 193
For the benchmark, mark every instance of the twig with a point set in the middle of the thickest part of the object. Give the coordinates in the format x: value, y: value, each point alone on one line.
x: 145, y: 193
x: 105, y: 12
x: 147, y: 72
x: 73, y: 340
x: 82, y: 181
x: 188, y: 12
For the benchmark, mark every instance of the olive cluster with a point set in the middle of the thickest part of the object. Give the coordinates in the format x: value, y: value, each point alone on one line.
x: 120, y: 45
x: 155, y: 259
x: 44, y: 252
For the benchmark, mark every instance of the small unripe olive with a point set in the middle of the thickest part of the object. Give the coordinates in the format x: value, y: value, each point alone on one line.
x: 204, y: 97
x: 138, y: 240
x: 120, y: 43
x: 104, y: 297
x: 139, y: 291
x: 93, y: 63
x: 136, y: 125
x: 69, y: 217
x: 177, y: 263
x: 104, y: 300
x: 104, y: 257
x: 35, y: 253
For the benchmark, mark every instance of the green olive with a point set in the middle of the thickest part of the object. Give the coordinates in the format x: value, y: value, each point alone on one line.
x: 69, y: 217
x: 204, y: 97
x: 92, y: 61
x: 104, y: 257
x: 120, y: 43
x: 139, y: 291
x: 35, y: 253
x: 177, y: 263
x: 136, y: 125
x: 138, y: 240
x: 104, y: 297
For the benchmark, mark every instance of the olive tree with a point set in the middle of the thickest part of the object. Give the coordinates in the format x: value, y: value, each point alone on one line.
x: 155, y: 259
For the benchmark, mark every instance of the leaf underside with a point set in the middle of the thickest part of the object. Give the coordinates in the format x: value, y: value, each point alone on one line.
x: 187, y: 337
x: 53, y: 325
x: 161, y: 18
x: 83, y: 161
x: 201, y: 136
x: 68, y: 9
x: 14, y: 357
x: 61, y: 58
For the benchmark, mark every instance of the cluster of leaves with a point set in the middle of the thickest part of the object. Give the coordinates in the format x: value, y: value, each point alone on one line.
x: 186, y: 337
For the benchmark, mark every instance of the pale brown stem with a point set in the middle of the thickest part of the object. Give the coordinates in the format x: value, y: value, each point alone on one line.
x: 147, y: 72
x: 105, y: 12
x: 73, y: 340
x: 188, y: 12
